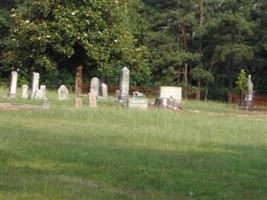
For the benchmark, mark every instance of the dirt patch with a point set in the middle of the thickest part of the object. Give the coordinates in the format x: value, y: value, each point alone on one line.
x: 15, y: 107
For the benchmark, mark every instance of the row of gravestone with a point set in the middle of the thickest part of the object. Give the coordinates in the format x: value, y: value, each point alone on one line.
x: 36, y: 92
x: 167, y: 98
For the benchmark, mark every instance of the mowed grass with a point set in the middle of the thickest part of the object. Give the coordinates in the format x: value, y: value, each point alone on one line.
x: 115, y: 153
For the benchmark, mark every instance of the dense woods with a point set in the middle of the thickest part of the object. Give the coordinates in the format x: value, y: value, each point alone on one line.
x: 198, y: 44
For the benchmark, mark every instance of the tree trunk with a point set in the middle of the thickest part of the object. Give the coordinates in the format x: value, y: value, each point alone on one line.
x: 231, y: 79
x: 186, y: 80
x: 198, y: 89
x: 78, y: 80
x: 206, y: 91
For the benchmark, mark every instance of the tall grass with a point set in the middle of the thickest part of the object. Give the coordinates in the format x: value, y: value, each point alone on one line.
x: 115, y: 153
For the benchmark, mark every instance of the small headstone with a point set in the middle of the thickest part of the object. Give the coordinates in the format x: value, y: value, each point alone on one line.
x: 104, y: 91
x: 171, y: 92
x: 38, y: 94
x: 92, y: 100
x: 35, y: 85
x: 43, y: 92
x: 78, y: 102
x: 137, y: 102
x: 94, y: 86
x: 13, y: 84
x: 63, y: 93
x: 124, y: 84
x: 25, y: 91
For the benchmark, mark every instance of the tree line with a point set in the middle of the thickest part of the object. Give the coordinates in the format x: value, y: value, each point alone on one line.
x: 201, y: 45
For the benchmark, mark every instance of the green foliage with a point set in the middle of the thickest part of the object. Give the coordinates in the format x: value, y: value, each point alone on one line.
x: 242, y: 81
x: 157, y: 39
x: 199, y: 73
x: 94, y: 34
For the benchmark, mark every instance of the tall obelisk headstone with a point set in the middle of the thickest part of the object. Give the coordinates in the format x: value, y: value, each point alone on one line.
x: 78, y: 80
x: 124, y: 85
x: 35, y: 84
x: 249, y: 97
x: 13, y: 84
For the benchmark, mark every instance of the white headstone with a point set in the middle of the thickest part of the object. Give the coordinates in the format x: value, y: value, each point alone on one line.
x: 92, y: 100
x: 35, y: 85
x: 38, y: 94
x: 13, y: 84
x: 25, y: 91
x: 171, y: 92
x: 43, y: 92
x: 104, y: 91
x: 124, y: 84
x: 95, y: 86
x: 63, y: 93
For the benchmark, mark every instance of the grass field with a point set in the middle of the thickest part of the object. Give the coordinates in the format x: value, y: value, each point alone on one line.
x: 116, y: 153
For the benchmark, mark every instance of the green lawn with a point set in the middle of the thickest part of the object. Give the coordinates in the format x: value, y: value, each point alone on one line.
x: 116, y: 153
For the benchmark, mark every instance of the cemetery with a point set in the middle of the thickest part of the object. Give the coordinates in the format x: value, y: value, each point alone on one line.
x: 136, y: 99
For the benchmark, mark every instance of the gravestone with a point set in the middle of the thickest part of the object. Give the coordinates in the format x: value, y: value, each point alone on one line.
x: 38, y: 94
x: 63, y: 93
x: 104, y: 91
x: 94, y: 86
x: 78, y: 80
x: 43, y: 92
x: 13, y: 84
x: 171, y: 92
x: 137, y: 102
x: 35, y: 85
x: 249, y: 96
x: 78, y: 102
x: 124, y: 84
x: 92, y: 100
x: 25, y: 91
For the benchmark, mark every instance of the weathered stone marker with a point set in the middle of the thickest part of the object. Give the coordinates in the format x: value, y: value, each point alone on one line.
x: 63, y: 93
x: 94, y: 86
x: 92, y: 100
x: 35, y: 85
x: 104, y: 91
x: 43, y: 92
x: 174, y: 93
x: 124, y: 84
x: 78, y: 102
x: 25, y: 91
x: 78, y: 80
x: 13, y: 84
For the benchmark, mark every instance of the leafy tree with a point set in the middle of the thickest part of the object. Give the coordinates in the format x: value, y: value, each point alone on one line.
x: 49, y: 34
x: 200, y: 74
x: 242, y: 82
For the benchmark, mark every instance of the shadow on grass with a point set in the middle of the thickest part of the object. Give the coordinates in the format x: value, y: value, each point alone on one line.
x: 212, y: 172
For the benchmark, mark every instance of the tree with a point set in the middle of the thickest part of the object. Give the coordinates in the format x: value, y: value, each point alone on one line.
x: 199, y: 73
x: 232, y: 32
x: 242, y: 82
x: 55, y: 34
